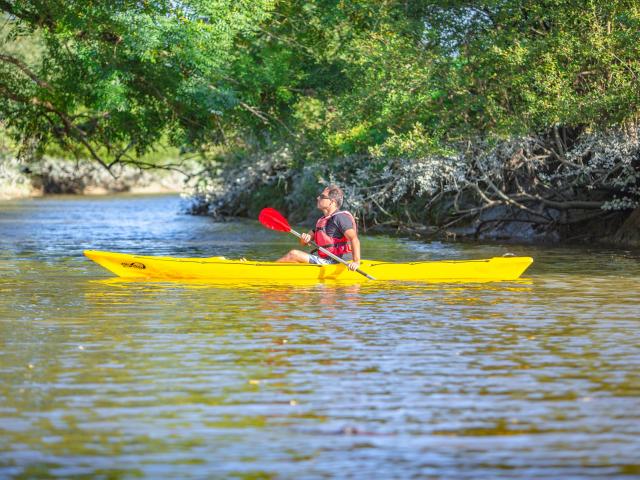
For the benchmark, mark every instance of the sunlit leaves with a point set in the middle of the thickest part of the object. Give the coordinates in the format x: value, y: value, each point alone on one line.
x: 127, y: 73
x: 327, y: 78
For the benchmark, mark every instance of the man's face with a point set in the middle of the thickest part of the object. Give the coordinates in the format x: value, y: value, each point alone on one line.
x: 323, y: 200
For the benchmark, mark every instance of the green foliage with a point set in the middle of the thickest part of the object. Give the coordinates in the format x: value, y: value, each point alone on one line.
x: 416, y: 143
x: 121, y: 75
x: 331, y: 80
x: 559, y: 62
x: 335, y: 79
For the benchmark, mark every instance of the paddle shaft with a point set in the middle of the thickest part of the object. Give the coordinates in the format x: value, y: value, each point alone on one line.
x: 335, y: 257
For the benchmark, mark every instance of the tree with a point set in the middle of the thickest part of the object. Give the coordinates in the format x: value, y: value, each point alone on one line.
x: 110, y: 79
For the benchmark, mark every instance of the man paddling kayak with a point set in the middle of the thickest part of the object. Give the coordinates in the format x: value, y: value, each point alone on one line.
x: 335, y: 231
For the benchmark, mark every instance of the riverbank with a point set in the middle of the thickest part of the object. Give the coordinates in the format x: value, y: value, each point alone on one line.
x: 400, y: 202
x: 57, y: 176
x: 564, y: 186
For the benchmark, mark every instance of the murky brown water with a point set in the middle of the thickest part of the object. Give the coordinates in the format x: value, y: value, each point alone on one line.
x: 105, y: 379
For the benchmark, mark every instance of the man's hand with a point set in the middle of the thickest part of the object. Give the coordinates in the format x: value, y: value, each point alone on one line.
x: 353, y: 266
x: 305, y: 238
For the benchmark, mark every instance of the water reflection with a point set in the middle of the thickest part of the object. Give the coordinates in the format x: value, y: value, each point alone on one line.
x: 103, y: 377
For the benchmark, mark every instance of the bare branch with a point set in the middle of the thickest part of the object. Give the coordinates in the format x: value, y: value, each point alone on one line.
x: 255, y: 112
x: 564, y: 205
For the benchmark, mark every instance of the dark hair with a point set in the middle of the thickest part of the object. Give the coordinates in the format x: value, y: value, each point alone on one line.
x: 336, y: 194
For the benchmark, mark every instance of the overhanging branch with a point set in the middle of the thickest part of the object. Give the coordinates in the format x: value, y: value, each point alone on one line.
x: 24, y: 69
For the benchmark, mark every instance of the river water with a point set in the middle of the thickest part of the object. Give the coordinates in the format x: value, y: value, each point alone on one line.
x: 538, y: 378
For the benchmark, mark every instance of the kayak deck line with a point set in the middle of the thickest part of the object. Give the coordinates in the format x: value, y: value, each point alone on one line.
x: 433, y: 261
x: 205, y: 261
x: 223, y: 260
x: 221, y: 269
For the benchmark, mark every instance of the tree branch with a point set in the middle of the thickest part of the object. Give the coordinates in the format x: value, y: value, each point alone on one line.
x: 24, y: 69
x: 68, y: 123
x: 41, y: 20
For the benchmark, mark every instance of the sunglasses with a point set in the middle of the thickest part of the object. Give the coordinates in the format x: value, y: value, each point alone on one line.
x: 323, y: 197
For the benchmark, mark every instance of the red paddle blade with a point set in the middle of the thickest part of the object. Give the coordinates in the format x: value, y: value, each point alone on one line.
x: 271, y: 218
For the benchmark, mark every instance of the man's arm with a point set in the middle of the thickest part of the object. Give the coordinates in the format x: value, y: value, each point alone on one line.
x: 352, y: 236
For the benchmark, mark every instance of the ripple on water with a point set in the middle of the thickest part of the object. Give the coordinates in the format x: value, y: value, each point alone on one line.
x: 530, y: 379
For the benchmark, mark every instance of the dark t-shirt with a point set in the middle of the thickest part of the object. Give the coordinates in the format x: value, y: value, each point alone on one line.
x: 336, y: 227
x: 339, y: 224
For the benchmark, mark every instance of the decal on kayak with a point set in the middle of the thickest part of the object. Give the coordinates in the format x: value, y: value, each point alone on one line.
x: 138, y: 265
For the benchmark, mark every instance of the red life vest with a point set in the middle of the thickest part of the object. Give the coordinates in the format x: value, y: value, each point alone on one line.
x: 337, y: 246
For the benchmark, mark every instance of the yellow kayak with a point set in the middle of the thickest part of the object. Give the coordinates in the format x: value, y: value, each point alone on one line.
x: 220, y: 269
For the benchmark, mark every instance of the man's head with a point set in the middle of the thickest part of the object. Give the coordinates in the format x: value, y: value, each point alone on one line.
x: 331, y: 194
